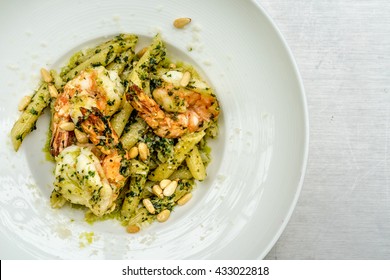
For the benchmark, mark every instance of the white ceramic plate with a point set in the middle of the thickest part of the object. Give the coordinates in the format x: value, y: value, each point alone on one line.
x: 258, y: 160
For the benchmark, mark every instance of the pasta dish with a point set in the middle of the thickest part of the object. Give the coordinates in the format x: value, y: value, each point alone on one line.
x: 128, y: 131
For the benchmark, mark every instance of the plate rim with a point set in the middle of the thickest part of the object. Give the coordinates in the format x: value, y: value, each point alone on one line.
x: 306, y: 127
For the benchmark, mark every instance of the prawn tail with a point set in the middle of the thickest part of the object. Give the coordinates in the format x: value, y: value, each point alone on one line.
x: 60, y: 139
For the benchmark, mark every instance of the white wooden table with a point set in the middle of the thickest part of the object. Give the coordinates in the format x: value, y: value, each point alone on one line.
x: 342, y: 49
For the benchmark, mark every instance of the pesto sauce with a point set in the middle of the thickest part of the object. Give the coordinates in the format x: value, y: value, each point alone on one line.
x: 90, y: 218
x: 46, y: 147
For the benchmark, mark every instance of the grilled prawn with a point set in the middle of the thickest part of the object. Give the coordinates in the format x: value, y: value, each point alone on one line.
x: 174, y: 110
x: 87, y: 101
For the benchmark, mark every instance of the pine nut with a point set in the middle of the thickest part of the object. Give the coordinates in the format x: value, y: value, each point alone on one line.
x: 53, y: 91
x: 81, y: 137
x: 172, y: 66
x: 133, y: 153
x: 158, y: 191
x: 181, y: 22
x: 46, y: 75
x: 185, y: 198
x: 164, y: 183
x: 143, y: 151
x: 185, y: 79
x: 148, y: 205
x: 133, y: 229
x: 163, y: 215
x: 67, y: 126
x: 24, y: 102
x: 170, y: 189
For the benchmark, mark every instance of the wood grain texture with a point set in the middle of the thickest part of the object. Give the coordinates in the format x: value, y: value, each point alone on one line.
x: 342, y: 49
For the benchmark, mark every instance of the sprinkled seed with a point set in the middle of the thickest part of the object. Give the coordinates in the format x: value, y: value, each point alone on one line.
x: 170, y: 189
x: 53, y: 91
x: 67, y: 126
x: 148, y: 205
x: 133, y: 153
x: 46, y: 75
x: 163, y: 215
x: 185, y: 198
x: 158, y: 191
x: 24, y: 102
x: 143, y: 151
x: 185, y: 79
x: 164, y: 183
x: 81, y: 137
x: 133, y: 229
x: 181, y: 22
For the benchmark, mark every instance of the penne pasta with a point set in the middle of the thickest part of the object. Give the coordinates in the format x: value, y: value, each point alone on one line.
x: 195, y: 164
x: 133, y: 196
x: 57, y: 80
x: 82, y: 56
x: 182, y: 173
x: 181, y: 150
x: 26, y: 122
x: 153, y: 55
x: 120, y: 119
x: 101, y: 58
x: 122, y: 61
x: 133, y: 135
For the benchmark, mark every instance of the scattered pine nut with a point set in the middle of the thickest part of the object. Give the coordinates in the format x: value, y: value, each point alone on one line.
x: 163, y: 215
x: 24, y: 102
x: 53, y: 91
x: 185, y: 79
x: 148, y: 205
x: 133, y: 153
x: 185, y: 198
x: 143, y: 151
x: 170, y: 189
x: 133, y: 229
x: 46, y: 75
x: 164, y: 183
x: 181, y: 22
x: 81, y: 137
x: 67, y: 126
x: 172, y: 66
x: 158, y: 191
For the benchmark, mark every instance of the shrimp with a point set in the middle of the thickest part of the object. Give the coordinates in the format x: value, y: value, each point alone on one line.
x: 87, y: 101
x: 112, y: 165
x: 174, y: 110
x: 81, y: 178
x: 90, y: 174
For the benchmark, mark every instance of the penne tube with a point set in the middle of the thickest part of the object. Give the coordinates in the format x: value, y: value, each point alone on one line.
x: 153, y: 55
x: 195, y: 164
x: 102, y: 58
x: 26, y: 122
x: 57, y: 80
x: 134, y: 133
x: 82, y: 56
x: 120, y: 119
x: 181, y: 150
x: 122, y: 61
